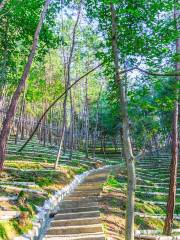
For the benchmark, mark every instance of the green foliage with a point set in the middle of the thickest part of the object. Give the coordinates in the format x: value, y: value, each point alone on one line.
x: 3, y: 234
x: 113, y: 182
x: 21, y: 229
x: 19, y: 20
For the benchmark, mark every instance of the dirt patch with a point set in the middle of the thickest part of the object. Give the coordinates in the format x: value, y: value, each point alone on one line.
x: 112, y: 208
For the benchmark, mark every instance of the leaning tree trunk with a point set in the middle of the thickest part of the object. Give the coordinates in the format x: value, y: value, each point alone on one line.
x: 15, y: 98
x: 174, y: 161
x: 126, y: 134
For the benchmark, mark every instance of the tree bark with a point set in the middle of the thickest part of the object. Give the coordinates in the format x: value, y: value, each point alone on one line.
x: 174, y: 161
x: 15, y: 98
x: 126, y: 134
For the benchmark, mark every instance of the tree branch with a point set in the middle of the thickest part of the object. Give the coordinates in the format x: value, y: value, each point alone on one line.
x: 173, y: 74
x: 53, y: 103
x: 170, y: 74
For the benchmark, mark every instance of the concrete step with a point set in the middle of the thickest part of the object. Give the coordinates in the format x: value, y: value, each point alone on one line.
x: 81, y: 198
x: 87, y: 236
x: 87, y: 188
x: 74, y: 229
x: 85, y: 193
x: 79, y: 215
x: 79, y: 209
x: 99, y: 180
x: 77, y: 204
x: 100, y: 176
x: 76, y: 222
x: 76, y: 215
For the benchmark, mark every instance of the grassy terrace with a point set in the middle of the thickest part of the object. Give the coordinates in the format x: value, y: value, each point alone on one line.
x: 37, y: 161
x: 151, y: 197
x: 36, y: 152
x: 44, y: 184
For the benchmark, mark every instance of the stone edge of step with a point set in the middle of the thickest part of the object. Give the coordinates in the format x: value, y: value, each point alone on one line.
x: 52, y: 205
x: 98, y: 235
x: 154, y: 235
x: 75, y: 226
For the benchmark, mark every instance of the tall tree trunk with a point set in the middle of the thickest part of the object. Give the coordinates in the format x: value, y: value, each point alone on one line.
x: 71, y: 145
x: 50, y: 128
x: 14, y: 101
x: 95, y: 129
x: 86, y: 121
x: 126, y: 135
x: 96, y: 126
x: 174, y: 161
x: 23, y: 125
x: 67, y: 84
x: 20, y: 120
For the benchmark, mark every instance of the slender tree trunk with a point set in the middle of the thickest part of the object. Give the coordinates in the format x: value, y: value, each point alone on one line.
x: 126, y: 134
x: 67, y: 85
x: 20, y: 120
x: 104, y: 145
x: 44, y: 127
x: 23, y: 124
x: 96, y: 125
x: 86, y: 120
x: 60, y: 147
x: 14, y: 101
x: 95, y: 130
x: 53, y: 103
x: 5, y: 54
x: 156, y: 144
x: 4, y: 63
x: 114, y: 143
x: 71, y: 143
x: 50, y: 128
x: 174, y: 161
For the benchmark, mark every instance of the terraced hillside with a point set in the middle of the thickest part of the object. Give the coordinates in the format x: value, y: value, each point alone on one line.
x: 26, y: 178
x: 151, y: 198
x: 37, y: 152
x: 24, y: 187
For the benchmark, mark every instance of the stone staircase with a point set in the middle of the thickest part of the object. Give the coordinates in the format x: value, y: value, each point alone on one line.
x: 79, y: 215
